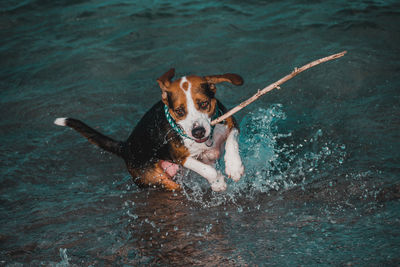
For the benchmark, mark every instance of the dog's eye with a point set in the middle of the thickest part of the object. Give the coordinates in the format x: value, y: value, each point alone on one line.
x: 180, y: 112
x: 204, y: 104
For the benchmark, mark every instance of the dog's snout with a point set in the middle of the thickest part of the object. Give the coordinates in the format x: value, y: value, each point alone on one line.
x: 198, y: 132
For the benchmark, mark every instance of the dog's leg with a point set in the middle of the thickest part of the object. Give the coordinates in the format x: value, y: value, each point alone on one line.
x: 169, y: 168
x: 158, y: 177
x: 216, y: 179
x: 233, y: 164
x: 210, y: 156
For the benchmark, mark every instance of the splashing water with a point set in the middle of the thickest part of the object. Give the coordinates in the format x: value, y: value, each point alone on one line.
x: 268, y: 165
x: 321, y: 185
x: 64, y: 258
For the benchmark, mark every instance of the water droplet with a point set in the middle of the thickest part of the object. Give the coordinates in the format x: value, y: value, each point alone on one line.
x: 134, y: 216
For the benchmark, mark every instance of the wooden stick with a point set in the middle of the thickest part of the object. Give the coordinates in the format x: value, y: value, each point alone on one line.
x: 275, y: 85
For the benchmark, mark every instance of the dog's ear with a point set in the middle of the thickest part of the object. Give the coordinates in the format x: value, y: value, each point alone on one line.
x: 165, y: 80
x: 227, y: 77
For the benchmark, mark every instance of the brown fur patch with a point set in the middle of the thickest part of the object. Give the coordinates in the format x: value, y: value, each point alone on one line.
x: 178, y: 151
x: 185, y: 86
x: 154, y: 176
x: 177, y: 98
x: 231, y: 123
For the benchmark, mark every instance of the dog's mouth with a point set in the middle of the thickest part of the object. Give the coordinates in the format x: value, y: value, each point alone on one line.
x: 202, y: 140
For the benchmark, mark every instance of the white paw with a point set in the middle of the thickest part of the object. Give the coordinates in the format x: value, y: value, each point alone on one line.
x: 234, y: 167
x: 219, y: 184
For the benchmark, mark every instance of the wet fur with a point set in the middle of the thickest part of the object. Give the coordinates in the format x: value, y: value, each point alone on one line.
x: 153, y: 140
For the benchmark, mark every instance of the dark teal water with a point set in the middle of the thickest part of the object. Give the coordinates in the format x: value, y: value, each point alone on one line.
x: 322, y: 155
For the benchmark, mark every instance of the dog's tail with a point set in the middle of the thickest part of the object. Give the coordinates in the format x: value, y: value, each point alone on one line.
x: 93, y: 136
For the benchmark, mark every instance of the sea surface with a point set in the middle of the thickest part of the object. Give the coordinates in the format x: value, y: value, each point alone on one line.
x: 322, y: 154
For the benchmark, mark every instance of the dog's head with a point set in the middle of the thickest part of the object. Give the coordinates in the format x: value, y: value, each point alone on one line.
x: 191, y: 100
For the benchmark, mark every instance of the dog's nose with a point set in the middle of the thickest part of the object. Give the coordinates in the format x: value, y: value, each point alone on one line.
x: 198, y: 132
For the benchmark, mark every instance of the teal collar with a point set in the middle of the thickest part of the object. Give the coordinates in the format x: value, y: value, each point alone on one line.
x: 179, y: 129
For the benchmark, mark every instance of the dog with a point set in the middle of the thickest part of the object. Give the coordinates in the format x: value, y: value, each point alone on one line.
x: 176, y: 132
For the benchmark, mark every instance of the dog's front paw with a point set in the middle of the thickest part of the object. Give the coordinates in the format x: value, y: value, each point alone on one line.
x: 234, y: 167
x: 219, y: 184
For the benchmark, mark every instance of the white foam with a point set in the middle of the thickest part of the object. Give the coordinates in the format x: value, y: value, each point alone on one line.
x: 61, y: 121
